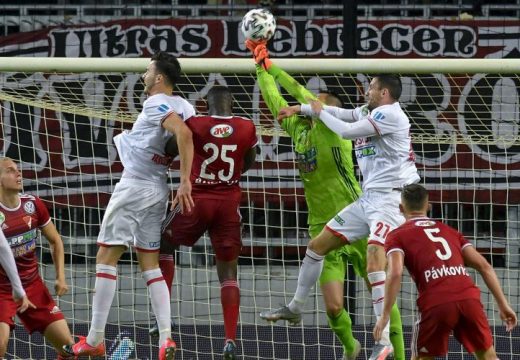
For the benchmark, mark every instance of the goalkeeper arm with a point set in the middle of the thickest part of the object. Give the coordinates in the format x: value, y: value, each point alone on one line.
x: 9, y: 265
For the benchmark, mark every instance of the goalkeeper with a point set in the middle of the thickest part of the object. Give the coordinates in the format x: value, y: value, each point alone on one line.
x: 327, y: 172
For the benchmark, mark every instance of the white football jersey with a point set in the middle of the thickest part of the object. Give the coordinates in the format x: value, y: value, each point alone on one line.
x: 141, y: 149
x: 386, y: 161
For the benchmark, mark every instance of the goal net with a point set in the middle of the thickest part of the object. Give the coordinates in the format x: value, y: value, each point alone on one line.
x: 59, y: 117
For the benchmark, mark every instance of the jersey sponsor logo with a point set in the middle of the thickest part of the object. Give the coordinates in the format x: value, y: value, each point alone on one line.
x: 163, y: 108
x: 443, y: 271
x: 424, y: 223
x: 339, y: 220
x: 24, y: 249
x: 29, y: 207
x: 365, y: 151
x: 23, y: 238
x: 2, y: 217
x: 221, y: 131
x: 307, y: 161
x: 162, y: 160
x: 378, y: 116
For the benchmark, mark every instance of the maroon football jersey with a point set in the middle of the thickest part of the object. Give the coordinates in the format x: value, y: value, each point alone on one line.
x: 21, y: 228
x: 433, y: 256
x: 220, y: 144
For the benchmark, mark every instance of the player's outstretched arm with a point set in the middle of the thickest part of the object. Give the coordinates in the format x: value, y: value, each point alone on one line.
x: 392, y: 286
x: 174, y: 124
x: 9, y: 265
x: 474, y: 259
x: 58, y: 257
x: 363, y: 128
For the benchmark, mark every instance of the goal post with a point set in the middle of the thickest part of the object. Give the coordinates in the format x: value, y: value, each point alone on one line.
x: 59, y: 116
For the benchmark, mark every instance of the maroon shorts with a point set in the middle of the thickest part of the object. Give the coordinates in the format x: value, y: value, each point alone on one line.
x: 38, y: 319
x: 467, y: 320
x: 221, y: 218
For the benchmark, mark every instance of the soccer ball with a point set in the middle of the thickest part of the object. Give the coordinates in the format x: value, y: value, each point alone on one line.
x: 258, y: 24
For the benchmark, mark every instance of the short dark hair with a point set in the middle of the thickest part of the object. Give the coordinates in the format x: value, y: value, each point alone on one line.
x: 220, y: 99
x: 414, y: 196
x: 167, y: 65
x: 392, y: 83
x: 332, y: 99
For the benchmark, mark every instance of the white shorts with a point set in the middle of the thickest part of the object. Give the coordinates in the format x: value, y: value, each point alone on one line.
x: 374, y: 214
x: 134, y: 215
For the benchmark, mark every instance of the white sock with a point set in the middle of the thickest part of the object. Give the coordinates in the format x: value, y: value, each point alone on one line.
x: 160, y: 299
x: 105, y: 288
x: 309, y: 274
x: 377, y: 282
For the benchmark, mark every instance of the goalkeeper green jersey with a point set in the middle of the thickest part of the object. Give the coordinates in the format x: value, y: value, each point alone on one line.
x: 324, y: 158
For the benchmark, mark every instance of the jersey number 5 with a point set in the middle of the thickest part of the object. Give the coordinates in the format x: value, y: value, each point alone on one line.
x: 439, y: 239
x: 215, y: 153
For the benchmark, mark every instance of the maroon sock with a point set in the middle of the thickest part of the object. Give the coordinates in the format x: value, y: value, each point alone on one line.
x: 230, y: 299
x: 167, y: 265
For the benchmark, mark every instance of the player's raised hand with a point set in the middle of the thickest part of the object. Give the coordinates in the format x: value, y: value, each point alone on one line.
x: 508, y: 316
x: 183, y: 197
x: 23, y: 304
x: 288, y: 111
x: 61, y: 287
x: 260, y: 52
x: 316, y: 106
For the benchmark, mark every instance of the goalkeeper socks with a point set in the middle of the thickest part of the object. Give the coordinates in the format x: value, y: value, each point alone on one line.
x: 167, y: 265
x: 342, y: 327
x: 104, y: 291
x: 230, y: 300
x: 396, y: 333
x: 160, y: 300
x: 309, y: 274
x: 377, y: 283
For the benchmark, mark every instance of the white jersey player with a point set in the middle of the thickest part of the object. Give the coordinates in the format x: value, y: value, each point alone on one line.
x: 385, y: 156
x: 138, y: 204
x: 141, y: 149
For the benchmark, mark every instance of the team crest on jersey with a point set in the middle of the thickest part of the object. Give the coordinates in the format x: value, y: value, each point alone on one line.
x: 424, y: 223
x: 378, y: 116
x: 163, y: 108
x: 221, y: 130
x: 2, y: 217
x: 29, y: 207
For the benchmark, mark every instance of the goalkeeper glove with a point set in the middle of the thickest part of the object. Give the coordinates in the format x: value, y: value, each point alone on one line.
x: 260, y: 53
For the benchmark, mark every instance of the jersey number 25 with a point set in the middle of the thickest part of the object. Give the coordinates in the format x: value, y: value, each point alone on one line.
x: 223, y: 174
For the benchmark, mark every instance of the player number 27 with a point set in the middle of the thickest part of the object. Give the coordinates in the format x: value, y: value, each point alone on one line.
x: 439, y: 239
x: 215, y: 153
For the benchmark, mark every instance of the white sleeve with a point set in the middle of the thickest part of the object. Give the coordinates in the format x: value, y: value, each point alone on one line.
x: 347, y: 115
x: 359, y: 129
x: 157, y: 109
x: 387, y: 121
x: 9, y: 266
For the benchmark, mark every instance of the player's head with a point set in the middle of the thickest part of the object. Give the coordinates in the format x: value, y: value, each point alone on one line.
x: 330, y: 98
x: 414, y: 200
x: 10, y: 176
x: 220, y: 101
x: 384, y: 89
x: 162, y: 73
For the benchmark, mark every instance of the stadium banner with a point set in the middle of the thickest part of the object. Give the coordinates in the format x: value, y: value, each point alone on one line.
x: 315, y: 38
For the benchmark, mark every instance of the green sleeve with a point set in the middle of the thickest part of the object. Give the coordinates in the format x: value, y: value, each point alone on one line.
x: 275, y: 101
x: 293, y: 87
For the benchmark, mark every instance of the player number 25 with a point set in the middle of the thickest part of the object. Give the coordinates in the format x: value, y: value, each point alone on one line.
x: 439, y: 239
x: 215, y: 153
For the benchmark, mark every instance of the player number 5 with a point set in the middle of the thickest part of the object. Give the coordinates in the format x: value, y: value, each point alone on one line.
x: 222, y: 176
x: 439, y: 239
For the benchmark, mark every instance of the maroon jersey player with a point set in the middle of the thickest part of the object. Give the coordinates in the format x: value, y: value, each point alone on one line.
x: 224, y: 148
x: 449, y: 301
x: 22, y: 217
